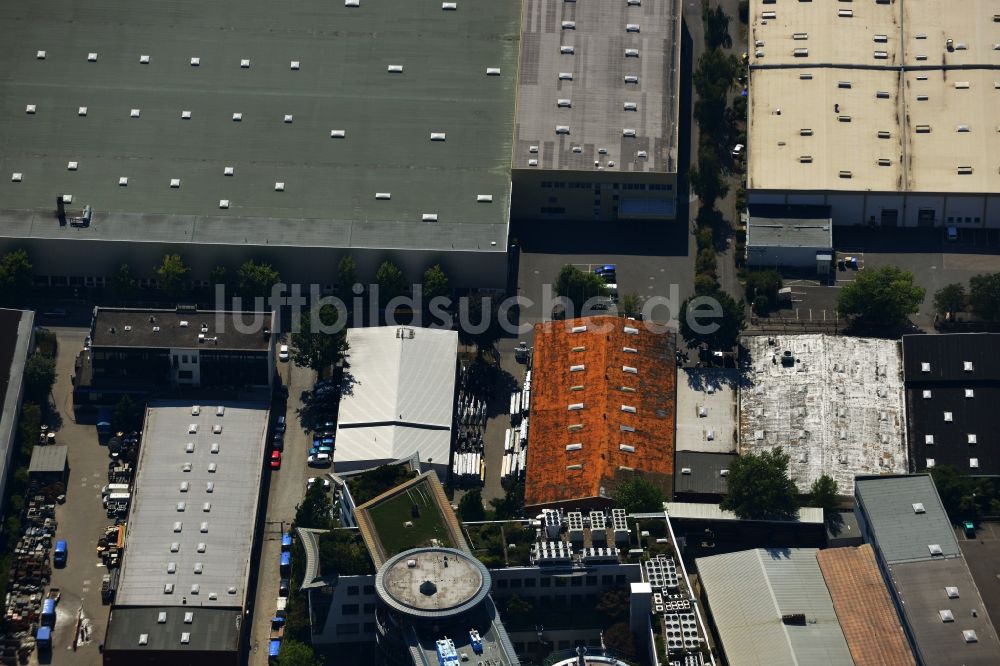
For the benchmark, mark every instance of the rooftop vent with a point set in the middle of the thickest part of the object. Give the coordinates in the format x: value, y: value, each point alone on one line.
x: 237, y: 117
x: 144, y: 59
x: 845, y: 13
x: 576, y: 406
x: 630, y: 370
x: 574, y: 467
x: 631, y: 27
x: 935, y: 549
x: 199, y: 568
x: 188, y: 618
x: 16, y: 177
x: 210, y: 487
x: 201, y: 547
x: 630, y: 330
x: 569, y: 25
x: 175, y: 183
x: 71, y: 166
x: 948, y: 417
x: 806, y: 76
x: 245, y: 63
x: 952, y: 592
x: 492, y: 71
x: 186, y: 636
x: 628, y: 409
x: 631, y: 78
x: 805, y: 131
x: 171, y: 567
x: 565, y: 76
x: 884, y: 161
x: 946, y: 615
x: 964, y: 170
x: 82, y: 111
x: 294, y: 65
x: 800, y: 52
x: 228, y: 171
x: 204, y: 528
x: 576, y: 446
x: 143, y: 639
x: 212, y: 468
x: 630, y: 106
x: 628, y: 131
x: 974, y: 463
x: 970, y: 636
x: 564, y: 103
x: 134, y: 113
x: 449, y: 6
x: 484, y: 198
x: 962, y: 128
x: 223, y: 203
x: 532, y: 149
x: 641, y: 154
x: 352, y: 3
x: 970, y: 393
x: 577, y: 368
x: 929, y: 439
x: 195, y: 62
x: 929, y: 463
x: 168, y: 588
x: 429, y: 217
x: 288, y: 118
x: 918, y: 507
x: 161, y: 617
x: 562, y: 129
x: 383, y: 195
x: 338, y: 134
x: 185, y: 486
x: 806, y: 159
x: 175, y: 547
x: 631, y: 53
x: 279, y: 187
x: 844, y: 119
x: 40, y: 55
x: 884, y: 134
x: 843, y: 84
x: 395, y: 69
x: 92, y: 57
x: 566, y: 50
x: 962, y: 85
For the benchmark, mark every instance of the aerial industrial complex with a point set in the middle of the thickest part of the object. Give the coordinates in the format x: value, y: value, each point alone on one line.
x: 877, y: 110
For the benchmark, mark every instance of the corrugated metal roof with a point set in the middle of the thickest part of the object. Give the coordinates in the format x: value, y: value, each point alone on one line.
x: 749, y: 592
x: 898, y: 531
x: 48, y: 459
x: 400, y: 397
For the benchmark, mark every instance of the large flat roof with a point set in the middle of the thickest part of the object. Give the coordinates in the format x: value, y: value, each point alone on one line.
x: 588, y: 41
x: 748, y: 593
x: 216, y: 527
x: 399, y: 396
x: 848, y: 72
x: 706, y: 409
x: 209, y: 629
x: 342, y: 83
x: 837, y: 410
x: 124, y: 327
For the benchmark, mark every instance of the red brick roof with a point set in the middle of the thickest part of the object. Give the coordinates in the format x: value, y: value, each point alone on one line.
x: 582, y: 361
x: 868, y: 618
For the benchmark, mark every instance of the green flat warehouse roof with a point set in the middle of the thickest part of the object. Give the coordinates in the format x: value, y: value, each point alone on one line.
x: 342, y: 84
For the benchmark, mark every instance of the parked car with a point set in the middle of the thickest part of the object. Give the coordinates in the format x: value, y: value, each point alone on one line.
x: 952, y: 234
x: 283, y: 588
x: 279, y: 424
x: 283, y: 353
x: 278, y: 443
x: 319, y: 460
x: 313, y: 480
x: 316, y: 450
x: 970, y: 529
x: 60, y: 553
x: 737, y: 150
x: 275, y: 459
x: 327, y: 440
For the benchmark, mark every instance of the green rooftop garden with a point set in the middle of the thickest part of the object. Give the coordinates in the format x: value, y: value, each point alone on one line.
x: 410, y: 519
x: 342, y: 552
x: 371, y: 484
x: 490, y: 543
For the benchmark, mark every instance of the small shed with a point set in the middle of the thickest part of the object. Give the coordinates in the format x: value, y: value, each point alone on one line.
x: 790, y: 237
x: 48, y: 462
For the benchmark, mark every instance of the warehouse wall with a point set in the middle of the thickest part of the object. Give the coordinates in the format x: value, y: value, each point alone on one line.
x: 592, y: 195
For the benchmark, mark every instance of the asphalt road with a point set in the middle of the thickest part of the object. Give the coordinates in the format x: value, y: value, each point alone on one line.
x: 286, y: 489
x: 81, y: 520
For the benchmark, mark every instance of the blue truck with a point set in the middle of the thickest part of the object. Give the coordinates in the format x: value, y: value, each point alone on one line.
x: 49, y: 613
x: 286, y: 542
x: 286, y: 564
x: 60, y: 553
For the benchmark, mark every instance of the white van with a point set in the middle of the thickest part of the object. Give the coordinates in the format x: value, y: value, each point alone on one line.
x: 115, y: 498
x: 114, y: 488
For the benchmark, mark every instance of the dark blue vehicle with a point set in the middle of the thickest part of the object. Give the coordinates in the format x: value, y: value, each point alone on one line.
x: 320, y: 449
x: 286, y: 564
x: 286, y: 542
x: 60, y: 553
x: 273, y: 648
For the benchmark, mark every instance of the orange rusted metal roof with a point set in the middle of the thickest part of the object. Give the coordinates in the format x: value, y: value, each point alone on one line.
x: 871, y: 626
x: 605, y: 387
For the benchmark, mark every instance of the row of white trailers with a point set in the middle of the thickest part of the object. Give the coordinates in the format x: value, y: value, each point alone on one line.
x: 515, y: 450
x: 468, y: 466
x: 520, y: 401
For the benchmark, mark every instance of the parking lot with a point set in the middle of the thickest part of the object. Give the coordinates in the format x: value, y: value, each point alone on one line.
x: 933, y: 260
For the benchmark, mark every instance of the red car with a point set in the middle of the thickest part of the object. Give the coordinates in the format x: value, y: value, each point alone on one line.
x: 275, y: 459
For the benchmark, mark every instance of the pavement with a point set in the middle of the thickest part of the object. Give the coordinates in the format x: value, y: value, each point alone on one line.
x: 496, y: 425
x: 982, y: 554
x: 286, y: 488
x: 81, y: 520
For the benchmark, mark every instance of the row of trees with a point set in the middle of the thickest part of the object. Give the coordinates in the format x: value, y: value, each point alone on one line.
x: 759, y: 487
x: 881, y: 297
x: 982, y: 298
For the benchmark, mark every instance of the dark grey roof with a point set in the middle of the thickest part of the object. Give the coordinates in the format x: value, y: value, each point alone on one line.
x: 108, y: 329
x: 975, y: 416
x: 900, y: 533
x: 16, y: 339
x: 704, y: 476
x: 920, y: 586
x: 48, y: 459
x: 790, y: 226
x: 598, y: 92
x: 210, y: 629
x: 342, y: 83
x: 947, y: 355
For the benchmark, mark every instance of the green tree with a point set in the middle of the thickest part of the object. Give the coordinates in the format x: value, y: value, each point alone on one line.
x: 255, y: 280
x: 16, y: 271
x: 171, y: 275
x: 637, y: 495
x: 218, y: 275
x: 479, y: 322
x: 435, y: 282
x: 314, y: 511
x: 698, y: 323
x: 39, y: 376
x: 619, y: 637
x: 614, y: 604
x: 391, y: 282
x: 764, y: 283
x: 759, y: 486
x: 823, y: 493
x: 127, y: 416
x: 984, y: 296
x: 716, y: 24
x: 511, y: 505
x: 470, y: 507
x: 123, y: 285
x: 578, y: 286
x: 347, y: 277
x: 950, y: 298
x: 705, y: 284
x: 884, y: 296
x: 318, y: 350
x: 517, y: 609
x: 706, y: 179
x: 964, y: 497
x: 629, y: 305
x: 705, y: 262
x: 294, y: 653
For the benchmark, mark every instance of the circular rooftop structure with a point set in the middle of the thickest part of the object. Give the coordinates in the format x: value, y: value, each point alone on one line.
x: 432, y: 582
